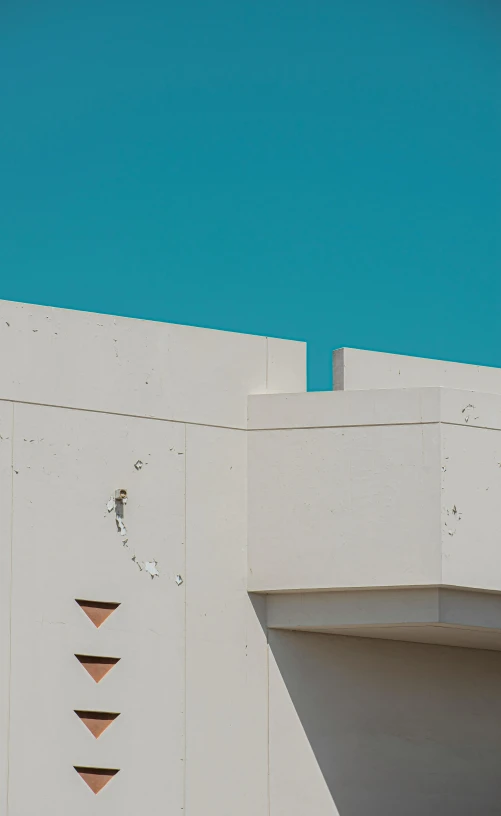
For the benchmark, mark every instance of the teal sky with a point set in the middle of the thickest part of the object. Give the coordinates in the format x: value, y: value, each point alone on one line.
x: 327, y: 170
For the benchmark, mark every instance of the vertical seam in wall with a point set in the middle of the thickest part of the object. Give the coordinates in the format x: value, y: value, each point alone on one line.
x: 185, y: 760
x: 442, y: 487
x: 10, y: 603
x: 268, y: 704
x: 266, y: 366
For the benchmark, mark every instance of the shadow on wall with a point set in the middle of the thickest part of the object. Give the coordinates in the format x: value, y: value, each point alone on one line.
x: 361, y: 726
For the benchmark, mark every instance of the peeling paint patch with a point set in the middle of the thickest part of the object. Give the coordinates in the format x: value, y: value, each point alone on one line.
x: 123, y: 531
x: 121, y: 527
x: 151, y: 568
x: 468, y: 412
x: 138, y: 465
x: 137, y: 563
x: 455, y: 512
x: 117, y: 503
x: 179, y: 580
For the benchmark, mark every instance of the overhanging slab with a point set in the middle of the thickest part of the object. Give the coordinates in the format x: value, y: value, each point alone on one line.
x: 444, y: 615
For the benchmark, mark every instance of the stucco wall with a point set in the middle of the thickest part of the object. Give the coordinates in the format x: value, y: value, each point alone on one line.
x: 82, y: 398
x: 344, y: 507
x: 218, y: 716
x: 363, y: 727
x: 360, y: 369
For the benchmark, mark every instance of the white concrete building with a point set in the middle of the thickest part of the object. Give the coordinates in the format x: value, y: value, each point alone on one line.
x: 295, y: 612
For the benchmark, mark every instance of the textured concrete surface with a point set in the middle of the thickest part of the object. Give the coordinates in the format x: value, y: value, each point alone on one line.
x: 238, y: 480
x: 356, y: 368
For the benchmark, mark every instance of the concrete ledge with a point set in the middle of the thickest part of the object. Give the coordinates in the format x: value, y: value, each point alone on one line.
x: 456, y: 617
x: 405, y: 406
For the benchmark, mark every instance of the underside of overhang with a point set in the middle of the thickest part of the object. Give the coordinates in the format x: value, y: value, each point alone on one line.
x: 439, y: 615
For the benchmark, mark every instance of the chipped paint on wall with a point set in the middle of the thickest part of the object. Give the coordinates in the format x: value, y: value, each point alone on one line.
x: 117, y: 503
x: 151, y: 568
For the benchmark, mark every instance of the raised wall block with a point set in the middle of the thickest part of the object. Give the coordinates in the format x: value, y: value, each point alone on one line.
x: 356, y: 492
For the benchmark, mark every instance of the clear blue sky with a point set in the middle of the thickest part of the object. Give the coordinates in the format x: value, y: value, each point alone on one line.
x: 327, y: 170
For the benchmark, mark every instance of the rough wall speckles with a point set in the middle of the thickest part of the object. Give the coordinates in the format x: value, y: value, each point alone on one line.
x: 226, y: 680
x: 471, y: 491
x: 141, y: 368
x: 207, y: 588
x: 101, y: 407
x: 55, y: 561
x: 6, y: 478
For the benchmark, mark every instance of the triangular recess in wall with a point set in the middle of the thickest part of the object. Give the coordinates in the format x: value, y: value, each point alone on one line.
x: 97, y: 611
x: 97, y: 667
x: 96, y: 721
x: 96, y: 778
